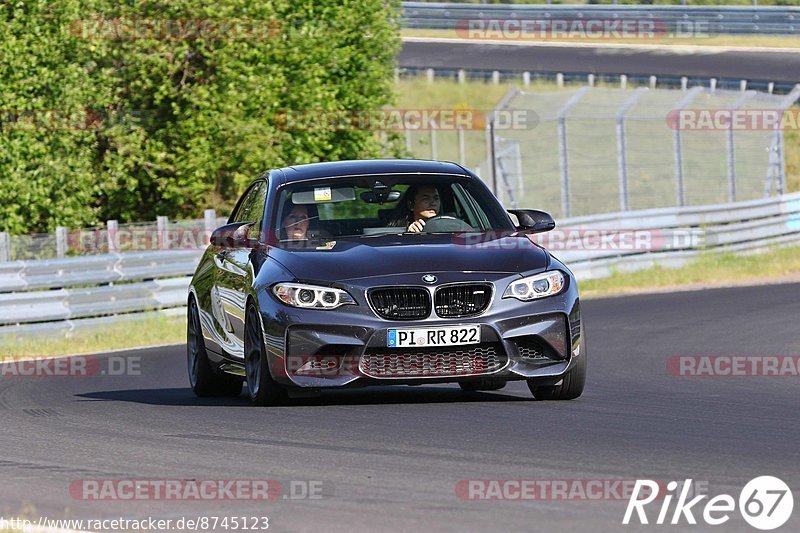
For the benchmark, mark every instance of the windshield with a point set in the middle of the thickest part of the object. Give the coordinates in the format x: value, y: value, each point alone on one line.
x: 372, y: 206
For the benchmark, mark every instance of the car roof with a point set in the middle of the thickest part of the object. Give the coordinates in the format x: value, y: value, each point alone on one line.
x: 368, y: 167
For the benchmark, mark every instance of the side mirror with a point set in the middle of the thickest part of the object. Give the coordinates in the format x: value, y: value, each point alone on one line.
x: 533, y: 221
x: 233, y: 236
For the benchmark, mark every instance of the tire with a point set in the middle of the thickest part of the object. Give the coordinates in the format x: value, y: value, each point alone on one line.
x: 263, y: 390
x: 571, y: 385
x: 481, y: 385
x: 202, y: 379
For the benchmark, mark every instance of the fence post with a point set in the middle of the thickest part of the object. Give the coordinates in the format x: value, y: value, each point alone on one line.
x: 434, y: 145
x: 462, y: 76
x: 209, y: 223
x: 5, y: 247
x: 161, y: 226
x: 61, y: 242
x: 731, y: 150
x: 495, y: 77
x: 653, y: 81
x: 622, y: 152
x: 677, y: 140
x: 430, y: 74
x: 462, y: 156
x: 526, y: 79
x: 112, y: 230
x: 563, y: 156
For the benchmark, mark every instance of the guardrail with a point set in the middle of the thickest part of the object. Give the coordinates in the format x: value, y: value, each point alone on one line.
x: 58, y: 296
x: 716, y: 20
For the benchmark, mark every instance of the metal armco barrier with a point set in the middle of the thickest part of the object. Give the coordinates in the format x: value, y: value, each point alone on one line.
x: 715, y: 20
x: 56, y: 296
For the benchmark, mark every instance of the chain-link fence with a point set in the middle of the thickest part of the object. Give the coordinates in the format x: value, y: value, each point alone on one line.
x: 598, y: 150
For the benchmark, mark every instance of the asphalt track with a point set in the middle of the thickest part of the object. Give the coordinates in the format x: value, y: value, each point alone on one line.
x: 706, y: 62
x: 390, y: 458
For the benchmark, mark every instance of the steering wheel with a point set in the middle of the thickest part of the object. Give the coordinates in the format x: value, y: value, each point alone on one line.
x: 445, y: 223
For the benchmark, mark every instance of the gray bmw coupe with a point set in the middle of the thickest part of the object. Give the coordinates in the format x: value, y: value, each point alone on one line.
x: 381, y: 272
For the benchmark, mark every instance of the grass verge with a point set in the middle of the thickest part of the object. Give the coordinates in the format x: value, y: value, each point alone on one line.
x: 708, y: 270
x: 150, y: 331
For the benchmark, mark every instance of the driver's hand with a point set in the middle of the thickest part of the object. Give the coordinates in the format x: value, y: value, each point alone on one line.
x: 416, y: 226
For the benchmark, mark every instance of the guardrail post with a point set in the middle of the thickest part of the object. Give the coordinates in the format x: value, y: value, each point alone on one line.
x: 112, y: 230
x: 560, y: 79
x: 5, y: 247
x: 712, y: 84
x: 161, y: 226
x: 590, y: 80
x: 495, y: 77
x: 653, y: 81
x: 430, y: 74
x: 526, y: 79
x: 61, y: 242
x: 623, y: 81
x: 462, y: 76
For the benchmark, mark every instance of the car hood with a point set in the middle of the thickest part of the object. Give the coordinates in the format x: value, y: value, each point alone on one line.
x: 351, y: 259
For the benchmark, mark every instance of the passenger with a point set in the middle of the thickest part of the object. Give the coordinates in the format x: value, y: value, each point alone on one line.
x: 420, y: 202
x: 296, y: 220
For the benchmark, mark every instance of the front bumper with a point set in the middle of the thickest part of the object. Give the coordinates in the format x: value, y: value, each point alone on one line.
x: 320, y: 349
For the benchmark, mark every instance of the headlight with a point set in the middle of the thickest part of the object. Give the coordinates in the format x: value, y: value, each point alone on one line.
x: 311, y: 296
x: 535, y: 287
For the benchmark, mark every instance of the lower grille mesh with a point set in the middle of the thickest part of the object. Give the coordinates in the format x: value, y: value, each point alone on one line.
x: 433, y: 362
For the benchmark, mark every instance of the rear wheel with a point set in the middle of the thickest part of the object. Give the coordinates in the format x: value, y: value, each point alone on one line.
x: 481, y: 385
x: 570, y: 387
x: 262, y: 388
x: 202, y: 379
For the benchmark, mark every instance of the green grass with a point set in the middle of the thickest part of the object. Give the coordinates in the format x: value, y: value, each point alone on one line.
x: 771, y: 41
x: 711, y: 268
x: 149, y: 331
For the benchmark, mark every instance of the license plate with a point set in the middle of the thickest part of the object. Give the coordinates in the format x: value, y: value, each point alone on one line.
x: 443, y: 336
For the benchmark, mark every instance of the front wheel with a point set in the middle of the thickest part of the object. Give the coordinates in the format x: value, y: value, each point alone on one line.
x: 202, y: 379
x: 262, y: 388
x: 571, y: 385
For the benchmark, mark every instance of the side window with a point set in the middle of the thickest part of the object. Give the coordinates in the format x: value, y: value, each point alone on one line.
x: 256, y: 211
x: 244, y: 211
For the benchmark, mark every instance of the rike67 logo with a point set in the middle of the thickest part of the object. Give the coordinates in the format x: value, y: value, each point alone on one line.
x: 765, y: 503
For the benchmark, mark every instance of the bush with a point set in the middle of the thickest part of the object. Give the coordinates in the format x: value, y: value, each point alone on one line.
x: 180, y: 124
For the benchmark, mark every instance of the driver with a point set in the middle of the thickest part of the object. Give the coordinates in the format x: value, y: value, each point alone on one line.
x: 420, y: 202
